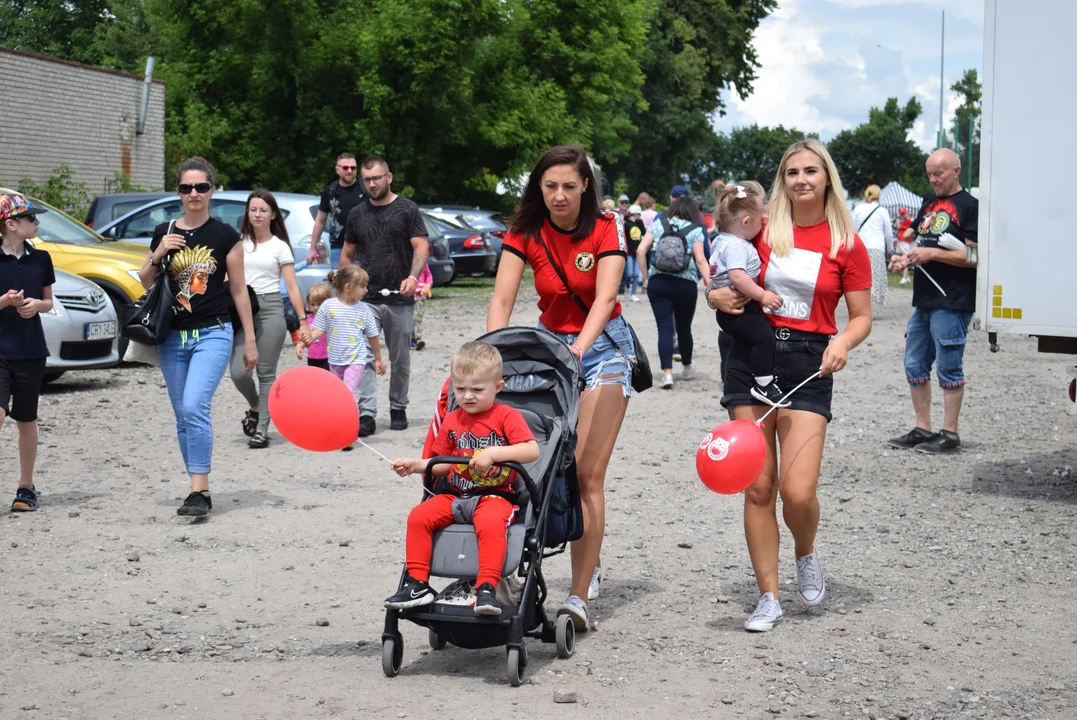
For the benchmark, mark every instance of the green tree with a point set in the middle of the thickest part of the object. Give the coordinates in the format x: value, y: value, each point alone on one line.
x: 879, y: 150
x: 694, y: 50
x: 61, y: 190
x: 58, y: 28
x: 966, y: 117
x: 746, y: 153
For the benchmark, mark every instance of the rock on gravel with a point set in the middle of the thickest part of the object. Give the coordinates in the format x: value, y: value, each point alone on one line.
x: 564, y: 696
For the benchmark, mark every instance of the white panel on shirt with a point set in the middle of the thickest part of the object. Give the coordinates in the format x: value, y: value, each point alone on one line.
x: 793, y: 278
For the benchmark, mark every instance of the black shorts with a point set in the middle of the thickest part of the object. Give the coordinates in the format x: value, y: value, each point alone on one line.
x: 20, y: 387
x: 795, y: 360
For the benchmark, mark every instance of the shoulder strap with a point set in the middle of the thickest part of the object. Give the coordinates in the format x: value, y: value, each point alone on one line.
x: 579, y: 301
x: 865, y: 220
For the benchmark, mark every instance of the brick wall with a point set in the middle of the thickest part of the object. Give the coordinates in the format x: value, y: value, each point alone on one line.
x: 57, y: 112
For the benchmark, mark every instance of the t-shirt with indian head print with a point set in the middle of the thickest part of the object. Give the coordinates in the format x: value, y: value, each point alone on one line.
x: 198, y: 271
x: 465, y: 435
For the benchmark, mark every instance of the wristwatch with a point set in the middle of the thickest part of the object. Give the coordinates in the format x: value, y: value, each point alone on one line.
x: 155, y: 264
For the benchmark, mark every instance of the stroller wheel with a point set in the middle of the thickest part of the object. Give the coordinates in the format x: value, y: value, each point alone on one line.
x: 392, y: 655
x: 565, y: 636
x: 517, y: 662
x: 436, y: 641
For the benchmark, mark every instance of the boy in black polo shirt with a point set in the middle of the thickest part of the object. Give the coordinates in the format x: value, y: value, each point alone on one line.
x: 26, y: 279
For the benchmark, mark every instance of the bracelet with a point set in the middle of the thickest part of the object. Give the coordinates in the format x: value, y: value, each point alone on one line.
x: 576, y: 351
x: 412, y: 277
x: 155, y: 264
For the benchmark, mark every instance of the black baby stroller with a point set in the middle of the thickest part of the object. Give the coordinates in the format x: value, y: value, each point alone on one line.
x: 543, y: 380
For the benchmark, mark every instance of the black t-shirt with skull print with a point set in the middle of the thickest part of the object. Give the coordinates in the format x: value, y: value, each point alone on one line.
x: 198, y: 271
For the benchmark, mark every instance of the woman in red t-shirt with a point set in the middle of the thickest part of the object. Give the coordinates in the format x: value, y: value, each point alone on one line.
x: 560, y: 218
x: 812, y: 259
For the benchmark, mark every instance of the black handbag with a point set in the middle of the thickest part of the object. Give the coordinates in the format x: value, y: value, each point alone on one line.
x: 149, y: 319
x: 642, y: 378
x: 237, y: 324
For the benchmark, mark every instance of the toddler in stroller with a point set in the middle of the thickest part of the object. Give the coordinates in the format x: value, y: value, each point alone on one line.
x: 542, y: 383
x: 489, y: 433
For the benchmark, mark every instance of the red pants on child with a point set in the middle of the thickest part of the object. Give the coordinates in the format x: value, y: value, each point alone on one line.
x: 492, y: 518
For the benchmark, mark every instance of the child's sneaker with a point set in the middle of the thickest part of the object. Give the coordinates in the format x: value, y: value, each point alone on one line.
x: 771, y: 394
x: 419, y: 345
x: 413, y: 594
x: 486, y: 600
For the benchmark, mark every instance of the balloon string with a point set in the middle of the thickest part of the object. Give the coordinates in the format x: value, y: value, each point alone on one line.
x: 386, y: 459
x: 784, y: 397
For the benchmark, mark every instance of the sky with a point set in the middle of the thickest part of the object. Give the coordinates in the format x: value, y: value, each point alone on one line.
x: 824, y: 63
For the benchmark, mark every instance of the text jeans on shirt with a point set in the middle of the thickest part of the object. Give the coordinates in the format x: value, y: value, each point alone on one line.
x: 193, y: 363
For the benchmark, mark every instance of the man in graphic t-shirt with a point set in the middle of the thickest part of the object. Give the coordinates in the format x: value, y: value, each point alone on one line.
x: 386, y: 235
x: 338, y: 198
x: 943, y: 299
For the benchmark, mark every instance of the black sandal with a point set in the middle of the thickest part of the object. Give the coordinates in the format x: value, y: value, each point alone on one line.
x: 258, y: 440
x: 25, y: 500
x: 250, y: 423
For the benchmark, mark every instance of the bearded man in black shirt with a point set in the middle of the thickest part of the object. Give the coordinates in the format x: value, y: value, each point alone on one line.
x: 386, y: 235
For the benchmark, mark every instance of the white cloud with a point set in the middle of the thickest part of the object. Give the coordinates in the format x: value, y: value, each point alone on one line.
x: 785, y: 87
x: 823, y: 64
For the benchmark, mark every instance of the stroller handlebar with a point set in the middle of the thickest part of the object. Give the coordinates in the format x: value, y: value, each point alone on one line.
x: 428, y: 474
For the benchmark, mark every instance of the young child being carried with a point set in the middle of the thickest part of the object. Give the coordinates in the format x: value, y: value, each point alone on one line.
x: 489, y: 433
x: 735, y: 261
x: 348, y: 323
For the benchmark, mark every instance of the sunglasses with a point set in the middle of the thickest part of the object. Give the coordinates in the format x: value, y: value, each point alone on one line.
x: 202, y: 188
x: 348, y: 168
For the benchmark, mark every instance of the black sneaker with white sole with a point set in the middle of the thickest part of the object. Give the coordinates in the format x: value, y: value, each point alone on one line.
x: 486, y: 600
x: 771, y: 394
x: 413, y: 594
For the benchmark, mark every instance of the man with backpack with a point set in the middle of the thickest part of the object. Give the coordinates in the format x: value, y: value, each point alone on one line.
x: 677, y: 240
x: 338, y: 198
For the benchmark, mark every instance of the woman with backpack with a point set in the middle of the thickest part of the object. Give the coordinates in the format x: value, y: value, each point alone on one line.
x: 873, y: 225
x: 677, y: 240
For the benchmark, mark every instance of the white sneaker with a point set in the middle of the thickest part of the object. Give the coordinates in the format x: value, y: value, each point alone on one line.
x: 510, y: 590
x: 575, y: 608
x: 635, y: 298
x: 810, y: 584
x: 666, y: 383
x: 688, y: 372
x: 596, y: 584
x: 903, y: 281
x: 768, y: 613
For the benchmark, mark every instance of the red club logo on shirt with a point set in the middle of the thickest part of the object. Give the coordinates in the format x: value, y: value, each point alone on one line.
x: 585, y: 262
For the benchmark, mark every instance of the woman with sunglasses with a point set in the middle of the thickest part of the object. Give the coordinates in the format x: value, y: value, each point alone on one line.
x: 198, y: 252
x: 267, y: 257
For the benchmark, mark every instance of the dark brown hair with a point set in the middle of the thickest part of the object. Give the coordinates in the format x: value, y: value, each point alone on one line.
x: 196, y: 163
x: 533, y: 213
x: 685, y: 208
x: 276, y: 223
x: 371, y: 160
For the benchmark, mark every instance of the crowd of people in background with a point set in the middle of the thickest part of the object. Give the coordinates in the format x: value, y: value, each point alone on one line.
x: 780, y: 265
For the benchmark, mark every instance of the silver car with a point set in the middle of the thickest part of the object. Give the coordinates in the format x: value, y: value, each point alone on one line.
x: 228, y: 206
x: 81, y: 329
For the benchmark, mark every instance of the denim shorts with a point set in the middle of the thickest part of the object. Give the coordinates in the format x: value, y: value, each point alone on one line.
x: 604, y: 364
x: 936, y: 335
x: 795, y: 360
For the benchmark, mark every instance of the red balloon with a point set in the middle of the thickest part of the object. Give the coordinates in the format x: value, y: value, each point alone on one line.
x: 731, y: 457
x: 314, y: 409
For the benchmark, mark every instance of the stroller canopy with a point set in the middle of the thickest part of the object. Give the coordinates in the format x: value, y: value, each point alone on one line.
x: 895, y: 196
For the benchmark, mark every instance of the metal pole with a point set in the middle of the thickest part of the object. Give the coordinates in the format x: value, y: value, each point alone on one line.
x: 143, y: 107
x: 972, y: 122
x: 942, y: 83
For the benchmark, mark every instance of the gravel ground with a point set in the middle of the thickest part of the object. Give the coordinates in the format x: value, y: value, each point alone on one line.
x: 949, y: 578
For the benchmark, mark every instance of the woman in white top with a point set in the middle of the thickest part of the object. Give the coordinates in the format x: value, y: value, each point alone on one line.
x: 267, y: 257
x: 877, y: 233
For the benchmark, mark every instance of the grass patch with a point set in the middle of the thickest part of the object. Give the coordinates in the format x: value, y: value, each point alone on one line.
x: 474, y: 288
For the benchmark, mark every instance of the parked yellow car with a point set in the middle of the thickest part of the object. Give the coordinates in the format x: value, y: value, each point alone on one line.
x: 112, y: 264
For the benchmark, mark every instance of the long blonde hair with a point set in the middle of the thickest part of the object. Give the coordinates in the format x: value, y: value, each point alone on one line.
x: 780, y: 224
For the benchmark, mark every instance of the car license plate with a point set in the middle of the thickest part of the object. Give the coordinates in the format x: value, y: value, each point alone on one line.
x: 100, y: 330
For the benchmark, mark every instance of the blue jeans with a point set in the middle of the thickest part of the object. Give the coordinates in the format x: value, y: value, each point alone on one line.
x: 193, y: 363
x: 604, y: 364
x: 631, y: 277
x: 936, y: 335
